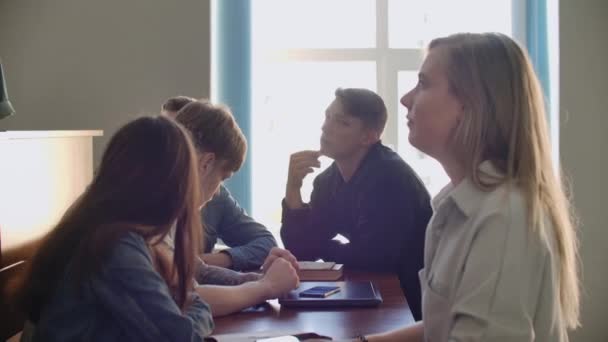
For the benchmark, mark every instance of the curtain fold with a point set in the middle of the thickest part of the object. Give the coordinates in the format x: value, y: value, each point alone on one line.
x: 538, y: 43
x: 232, y: 61
x: 542, y: 42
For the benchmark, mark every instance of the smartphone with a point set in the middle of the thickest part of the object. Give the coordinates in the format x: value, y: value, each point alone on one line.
x: 320, y: 291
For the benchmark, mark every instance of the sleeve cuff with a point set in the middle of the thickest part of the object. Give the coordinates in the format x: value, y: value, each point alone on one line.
x: 293, y: 214
x: 239, y: 261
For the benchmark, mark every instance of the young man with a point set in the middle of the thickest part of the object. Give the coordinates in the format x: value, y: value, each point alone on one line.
x: 223, y: 148
x: 220, y: 149
x: 173, y: 104
x: 368, y: 195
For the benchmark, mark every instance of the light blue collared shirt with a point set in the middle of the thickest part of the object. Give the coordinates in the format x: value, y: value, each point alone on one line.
x: 487, y: 275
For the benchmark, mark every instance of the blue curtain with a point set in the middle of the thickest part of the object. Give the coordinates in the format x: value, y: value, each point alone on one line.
x: 233, y: 88
x: 538, y: 44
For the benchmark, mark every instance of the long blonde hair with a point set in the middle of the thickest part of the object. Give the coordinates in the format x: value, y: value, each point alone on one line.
x: 505, y: 122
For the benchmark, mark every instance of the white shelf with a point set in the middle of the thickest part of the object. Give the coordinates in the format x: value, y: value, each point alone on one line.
x: 49, y: 134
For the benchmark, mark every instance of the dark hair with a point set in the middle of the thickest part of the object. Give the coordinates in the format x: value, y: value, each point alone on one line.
x: 175, y: 104
x: 365, y: 105
x: 146, y: 182
x: 214, y: 129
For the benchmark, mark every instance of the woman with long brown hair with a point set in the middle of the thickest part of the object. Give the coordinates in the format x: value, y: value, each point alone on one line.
x: 93, y: 278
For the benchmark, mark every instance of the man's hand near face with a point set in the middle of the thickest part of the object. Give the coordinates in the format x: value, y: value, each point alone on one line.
x: 300, y: 164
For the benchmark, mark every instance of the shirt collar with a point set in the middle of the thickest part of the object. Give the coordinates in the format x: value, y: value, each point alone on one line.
x: 467, y: 196
x: 367, y: 165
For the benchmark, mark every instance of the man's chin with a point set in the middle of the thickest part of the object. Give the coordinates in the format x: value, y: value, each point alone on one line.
x: 324, y: 151
x: 324, y: 148
x: 327, y: 153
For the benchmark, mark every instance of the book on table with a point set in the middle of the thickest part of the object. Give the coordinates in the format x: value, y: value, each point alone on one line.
x: 316, y: 270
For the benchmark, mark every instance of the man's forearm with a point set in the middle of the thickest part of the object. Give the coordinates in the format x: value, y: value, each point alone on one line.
x: 304, y: 243
x: 293, y: 197
x: 218, y: 259
x: 372, y: 254
x: 251, y: 255
x: 305, y: 231
x: 213, y: 275
x: 280, y: 277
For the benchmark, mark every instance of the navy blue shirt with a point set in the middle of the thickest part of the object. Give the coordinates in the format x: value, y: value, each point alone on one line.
x: 250, y: 241
x: 383, y: 211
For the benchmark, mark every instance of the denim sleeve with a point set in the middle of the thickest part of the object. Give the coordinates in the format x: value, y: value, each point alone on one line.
x: 249, y: 240
x: 138, y: 296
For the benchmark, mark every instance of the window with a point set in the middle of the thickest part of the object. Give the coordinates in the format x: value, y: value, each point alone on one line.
x: 304, y: 49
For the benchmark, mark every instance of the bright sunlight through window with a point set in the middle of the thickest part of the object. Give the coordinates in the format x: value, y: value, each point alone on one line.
x: 304, y: 49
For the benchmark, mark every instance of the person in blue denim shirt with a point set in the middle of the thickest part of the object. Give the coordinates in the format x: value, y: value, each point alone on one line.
x: 220, y: 148
x: 249, y: 241
x: 93, y: 277
x: 223, y: 218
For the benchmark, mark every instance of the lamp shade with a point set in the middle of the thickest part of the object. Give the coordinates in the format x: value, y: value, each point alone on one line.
x: 6, y: 109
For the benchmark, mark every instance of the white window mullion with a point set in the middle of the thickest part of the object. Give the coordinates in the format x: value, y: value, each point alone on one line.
x: 386, y: 75
x: 519, y: 21
x: 382, y: 24
x: 323, y: 55
x: 406, y: 59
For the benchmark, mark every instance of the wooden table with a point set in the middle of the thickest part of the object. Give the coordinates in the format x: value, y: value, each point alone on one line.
x: 393, y: 313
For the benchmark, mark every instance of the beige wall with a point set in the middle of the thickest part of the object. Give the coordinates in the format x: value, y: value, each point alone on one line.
x: 84, y: 64
x: 584, y: 140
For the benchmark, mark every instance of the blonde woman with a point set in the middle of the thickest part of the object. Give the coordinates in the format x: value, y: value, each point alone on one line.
x: 500, y: 251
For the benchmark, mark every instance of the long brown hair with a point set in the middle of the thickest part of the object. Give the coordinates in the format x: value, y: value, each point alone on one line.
x: 146, y: 182
x: 505, y: 122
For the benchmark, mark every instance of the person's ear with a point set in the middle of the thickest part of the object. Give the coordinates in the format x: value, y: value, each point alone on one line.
x: 370, y: 137
x: 206, y: 161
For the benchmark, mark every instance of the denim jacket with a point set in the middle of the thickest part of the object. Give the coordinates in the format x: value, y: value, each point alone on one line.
x: 126, y: 301
x: 249, y: 240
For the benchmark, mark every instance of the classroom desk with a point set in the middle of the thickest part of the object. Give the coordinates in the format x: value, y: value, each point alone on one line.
x: 393, y: 313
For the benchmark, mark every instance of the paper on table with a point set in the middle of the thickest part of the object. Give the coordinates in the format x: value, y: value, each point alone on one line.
x: 333, y: 274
